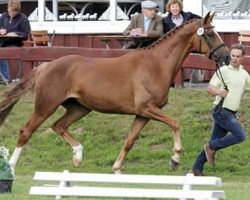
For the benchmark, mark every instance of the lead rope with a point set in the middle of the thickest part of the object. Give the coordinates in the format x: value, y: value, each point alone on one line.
x: 219, y: 75
x: 200, y: 33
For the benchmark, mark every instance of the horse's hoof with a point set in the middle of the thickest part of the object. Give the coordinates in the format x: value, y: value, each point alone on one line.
x: 118, y: 171
x: 76, y: 161
x: 77, y: 155
x: 173, y: 164
x: 12, y: 171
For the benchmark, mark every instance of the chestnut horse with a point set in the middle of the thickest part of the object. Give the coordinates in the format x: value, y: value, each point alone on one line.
x: 135, y: 84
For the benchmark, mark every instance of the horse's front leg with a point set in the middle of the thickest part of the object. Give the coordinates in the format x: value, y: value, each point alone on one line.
x: 157, y: 114
x: 137, y: 126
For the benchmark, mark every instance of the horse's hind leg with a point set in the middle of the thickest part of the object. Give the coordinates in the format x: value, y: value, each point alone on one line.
x: 137, y: 126
x: 73, y: 113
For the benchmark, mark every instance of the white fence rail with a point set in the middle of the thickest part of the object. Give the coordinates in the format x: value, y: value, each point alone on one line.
x: 185, y: 191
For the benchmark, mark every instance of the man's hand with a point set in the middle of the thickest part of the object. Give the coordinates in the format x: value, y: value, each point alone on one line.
x: 136, y: 32
x: 3, y: 31
x: 222, y: 92
x: 217, y: 91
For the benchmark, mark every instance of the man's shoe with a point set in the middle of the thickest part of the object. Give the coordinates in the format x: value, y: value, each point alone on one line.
x: 210, y: 154
x: 196, y: 172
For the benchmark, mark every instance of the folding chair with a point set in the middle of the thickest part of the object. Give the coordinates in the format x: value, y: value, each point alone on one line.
x: 42, y: 38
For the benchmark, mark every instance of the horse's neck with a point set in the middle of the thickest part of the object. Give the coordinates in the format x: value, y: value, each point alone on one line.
x: 172, y: 50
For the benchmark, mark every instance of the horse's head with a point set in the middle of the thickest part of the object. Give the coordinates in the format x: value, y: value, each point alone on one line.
x: 209, y: 42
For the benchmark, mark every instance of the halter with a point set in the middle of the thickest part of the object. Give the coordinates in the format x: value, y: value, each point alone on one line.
x: 201, y: 33
x: 212, y: 53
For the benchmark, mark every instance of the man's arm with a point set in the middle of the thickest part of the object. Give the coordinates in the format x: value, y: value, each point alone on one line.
x: 216, y: 91
x: 130, y: 26
x: 158, y: 31
x: 25, y: 28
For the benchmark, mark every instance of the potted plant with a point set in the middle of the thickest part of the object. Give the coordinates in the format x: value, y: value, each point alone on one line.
x: 6, y: 176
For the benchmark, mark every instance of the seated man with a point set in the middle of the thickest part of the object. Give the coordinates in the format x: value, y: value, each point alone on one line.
x: 147, y: 23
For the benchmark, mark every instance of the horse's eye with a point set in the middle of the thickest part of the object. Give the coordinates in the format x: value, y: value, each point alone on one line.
x: 210, y: 34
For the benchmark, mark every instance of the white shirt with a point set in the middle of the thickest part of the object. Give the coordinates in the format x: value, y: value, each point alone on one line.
x: 237, y: 80
x: 177, y: 20
x: 146, y: 23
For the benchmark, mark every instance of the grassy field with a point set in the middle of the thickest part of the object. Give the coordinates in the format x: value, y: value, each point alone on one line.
x: 103, y: 136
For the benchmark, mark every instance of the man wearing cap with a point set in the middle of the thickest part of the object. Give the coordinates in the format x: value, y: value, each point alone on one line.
x: 147, y: 23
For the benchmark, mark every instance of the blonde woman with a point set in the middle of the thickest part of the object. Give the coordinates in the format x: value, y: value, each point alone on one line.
x: 176, y: 15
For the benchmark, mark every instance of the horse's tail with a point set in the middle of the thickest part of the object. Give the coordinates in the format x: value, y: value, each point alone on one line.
x: 14, y: 93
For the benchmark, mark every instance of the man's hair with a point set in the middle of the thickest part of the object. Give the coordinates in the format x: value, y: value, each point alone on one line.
x: 14, y: 5
x: 170, y: 2
x: 238, y: 46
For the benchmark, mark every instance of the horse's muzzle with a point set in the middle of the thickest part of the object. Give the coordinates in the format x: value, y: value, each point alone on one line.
x: 223, y: 59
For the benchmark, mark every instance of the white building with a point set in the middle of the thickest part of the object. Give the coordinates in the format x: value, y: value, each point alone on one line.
x: 112, y: 16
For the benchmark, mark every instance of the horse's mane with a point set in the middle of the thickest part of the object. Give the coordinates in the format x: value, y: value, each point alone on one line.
x: 169, y: 33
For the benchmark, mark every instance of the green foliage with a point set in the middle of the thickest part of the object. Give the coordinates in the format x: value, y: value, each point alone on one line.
x: 102, y: 137
x: 5, y: 171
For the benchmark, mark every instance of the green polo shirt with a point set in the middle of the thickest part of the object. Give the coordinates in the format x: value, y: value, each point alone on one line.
x: 237, y: 80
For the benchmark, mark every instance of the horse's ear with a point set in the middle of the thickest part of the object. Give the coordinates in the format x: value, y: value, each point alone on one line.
x: 208, y: 17
x: 211, y: 17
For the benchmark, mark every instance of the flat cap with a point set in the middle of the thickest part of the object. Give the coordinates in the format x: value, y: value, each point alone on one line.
x: 148, y: 4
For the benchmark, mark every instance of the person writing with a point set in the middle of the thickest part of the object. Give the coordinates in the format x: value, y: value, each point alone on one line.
x: 176, y: 15
x: 13, y: 23
x: 227, y: 130
x: 147, y: 23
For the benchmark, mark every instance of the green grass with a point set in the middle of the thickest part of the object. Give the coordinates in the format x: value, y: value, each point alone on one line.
x: 103, y: 136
